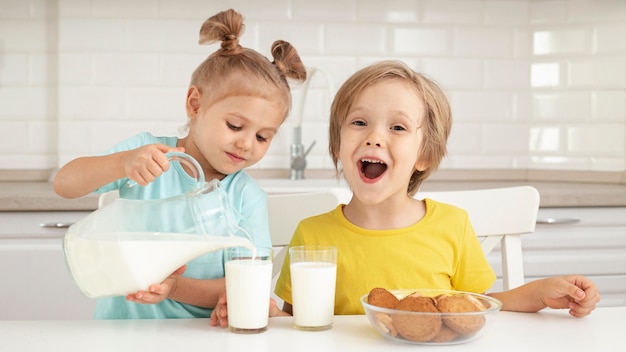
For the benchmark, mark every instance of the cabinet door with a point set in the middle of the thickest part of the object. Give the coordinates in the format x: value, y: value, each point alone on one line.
x: 587, y: 241
x: 36, y: 284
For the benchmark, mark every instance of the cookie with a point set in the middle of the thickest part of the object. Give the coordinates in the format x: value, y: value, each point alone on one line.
x: 385, y: 324
x: 464, y: 325
x: 416, y: 327
x: 445, y: 335
x: 380, y: 297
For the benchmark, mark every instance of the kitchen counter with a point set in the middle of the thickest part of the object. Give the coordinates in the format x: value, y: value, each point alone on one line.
x: 546, y: 330
x: 39, y: 196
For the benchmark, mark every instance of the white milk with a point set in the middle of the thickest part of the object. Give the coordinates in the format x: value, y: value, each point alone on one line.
x: 248, y: 285
x: 122, y: 263
x: 313, y: 293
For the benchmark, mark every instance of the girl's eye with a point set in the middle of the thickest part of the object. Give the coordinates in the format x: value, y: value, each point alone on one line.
x: 233, y: 127
x: 261, y: 138
x: 359, y: 123
x: 398, y: 128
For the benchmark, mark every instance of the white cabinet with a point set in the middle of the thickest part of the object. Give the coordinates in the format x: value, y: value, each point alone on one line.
x: 36, y: 284
x: 587, y: 241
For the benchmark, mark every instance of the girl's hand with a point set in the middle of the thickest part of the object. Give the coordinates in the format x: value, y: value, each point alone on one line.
x: 157, y: 292
x: 575, y: 292
x: 148, y: 162
x: 219, y: 316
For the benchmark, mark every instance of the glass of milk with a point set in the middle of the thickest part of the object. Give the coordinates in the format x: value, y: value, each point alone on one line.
x: 313, y: 275
x: 248, y: 285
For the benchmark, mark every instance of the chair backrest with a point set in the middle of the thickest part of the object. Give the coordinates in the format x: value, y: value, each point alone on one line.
x: 498, y: 215
x: 286, y: 211
x: 106, y: 198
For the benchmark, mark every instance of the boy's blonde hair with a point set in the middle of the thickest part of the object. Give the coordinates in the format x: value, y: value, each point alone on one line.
x: 437, y: 115
x: 235, y: 70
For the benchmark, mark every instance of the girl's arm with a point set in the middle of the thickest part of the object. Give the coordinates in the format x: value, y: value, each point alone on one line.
x: 198, y: 292
x: 83, y: 175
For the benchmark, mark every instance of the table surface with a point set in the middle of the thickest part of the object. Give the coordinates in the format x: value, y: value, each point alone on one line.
x: 604, y: 330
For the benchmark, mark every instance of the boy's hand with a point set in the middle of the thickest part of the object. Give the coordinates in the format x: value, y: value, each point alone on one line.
x: 575, y: 292
x: 157, y: 292
x: 146, y: 163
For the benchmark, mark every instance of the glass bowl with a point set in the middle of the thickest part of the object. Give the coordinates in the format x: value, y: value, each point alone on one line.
x: 437, y: 317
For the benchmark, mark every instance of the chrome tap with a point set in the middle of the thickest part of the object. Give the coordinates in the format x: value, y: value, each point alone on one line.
x: 297, y: 153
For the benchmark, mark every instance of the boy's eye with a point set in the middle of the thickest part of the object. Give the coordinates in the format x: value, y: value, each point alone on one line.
x: 398, y: 128
x: 233, y: 127
x: 261, y: 138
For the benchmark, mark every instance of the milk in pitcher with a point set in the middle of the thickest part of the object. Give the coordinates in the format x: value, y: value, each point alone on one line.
x: 122, y: 263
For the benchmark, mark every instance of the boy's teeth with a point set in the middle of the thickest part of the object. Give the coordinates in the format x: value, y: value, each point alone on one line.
x: 372, y: 161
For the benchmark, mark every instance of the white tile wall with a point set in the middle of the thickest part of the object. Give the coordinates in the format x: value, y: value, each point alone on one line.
x: 533, y: 83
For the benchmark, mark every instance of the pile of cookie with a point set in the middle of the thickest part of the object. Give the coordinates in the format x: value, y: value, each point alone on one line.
x: 436, y: 328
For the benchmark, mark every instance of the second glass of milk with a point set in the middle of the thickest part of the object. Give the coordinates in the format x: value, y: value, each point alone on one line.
x: 313, y: 276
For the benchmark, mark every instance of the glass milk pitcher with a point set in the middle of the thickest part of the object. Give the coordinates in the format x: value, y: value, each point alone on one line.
x: 128, y: 245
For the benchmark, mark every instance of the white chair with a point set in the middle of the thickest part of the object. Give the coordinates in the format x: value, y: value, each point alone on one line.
x: 106, y: 198
x: 498, y: 215
x: 286, y: 211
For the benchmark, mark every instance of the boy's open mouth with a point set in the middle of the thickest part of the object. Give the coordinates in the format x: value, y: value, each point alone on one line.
x: 372, y: 169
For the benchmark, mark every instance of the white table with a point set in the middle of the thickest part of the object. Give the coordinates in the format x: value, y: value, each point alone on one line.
x: 604, y: 330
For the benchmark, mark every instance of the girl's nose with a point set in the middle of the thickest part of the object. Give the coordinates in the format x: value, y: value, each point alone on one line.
x: 244, y: 143
x: 372, y: 143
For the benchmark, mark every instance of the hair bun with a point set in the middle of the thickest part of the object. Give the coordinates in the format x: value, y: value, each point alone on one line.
x: 226, y: 26
x: 288, y: 61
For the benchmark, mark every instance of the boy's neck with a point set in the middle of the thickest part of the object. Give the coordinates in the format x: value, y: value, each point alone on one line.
x: 386, y: 215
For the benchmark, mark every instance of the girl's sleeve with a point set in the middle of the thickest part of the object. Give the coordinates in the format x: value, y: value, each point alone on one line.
x: 251, y: 203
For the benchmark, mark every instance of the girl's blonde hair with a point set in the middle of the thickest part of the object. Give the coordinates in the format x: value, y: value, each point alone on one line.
x: 437, y: 115
x: 235, y: 70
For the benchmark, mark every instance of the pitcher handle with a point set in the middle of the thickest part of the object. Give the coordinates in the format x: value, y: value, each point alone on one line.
x: 185, y: 159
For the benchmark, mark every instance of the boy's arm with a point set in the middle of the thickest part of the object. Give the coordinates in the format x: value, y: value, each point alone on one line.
x: 573, y: 292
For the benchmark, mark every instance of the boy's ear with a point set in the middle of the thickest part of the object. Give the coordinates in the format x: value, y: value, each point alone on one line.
x: 421, y: 165
x: 193, y: 101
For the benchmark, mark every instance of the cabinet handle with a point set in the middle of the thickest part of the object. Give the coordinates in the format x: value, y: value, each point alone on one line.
x: 557, y: 221
x: 56, y: 225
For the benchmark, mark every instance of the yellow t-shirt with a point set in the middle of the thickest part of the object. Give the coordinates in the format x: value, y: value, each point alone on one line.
x: 439, y: 251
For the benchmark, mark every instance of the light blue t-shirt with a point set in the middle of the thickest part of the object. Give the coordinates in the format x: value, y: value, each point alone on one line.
x: 246, y: 197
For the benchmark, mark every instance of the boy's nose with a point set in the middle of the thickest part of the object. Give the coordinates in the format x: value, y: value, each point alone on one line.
x: 373, y: 139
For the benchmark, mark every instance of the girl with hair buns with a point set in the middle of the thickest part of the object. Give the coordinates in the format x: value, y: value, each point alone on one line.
x: 236, y: 101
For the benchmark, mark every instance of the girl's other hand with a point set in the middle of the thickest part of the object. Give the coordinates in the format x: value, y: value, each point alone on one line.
x: 219, y: 316
x: 157, y: 292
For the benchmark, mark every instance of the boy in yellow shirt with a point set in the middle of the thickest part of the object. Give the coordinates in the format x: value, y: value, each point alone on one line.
x: 388, y: 131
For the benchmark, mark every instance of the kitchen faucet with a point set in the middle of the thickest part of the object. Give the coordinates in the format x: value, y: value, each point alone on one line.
x: 298, y: 154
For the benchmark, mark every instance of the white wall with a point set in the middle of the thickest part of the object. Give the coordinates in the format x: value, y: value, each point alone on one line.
x: 534, y: 84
